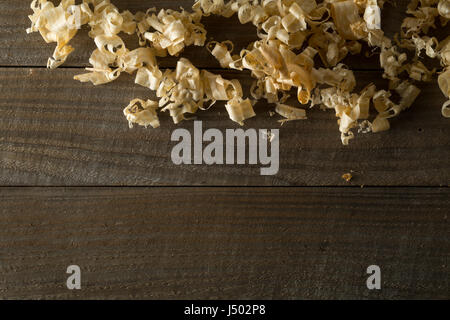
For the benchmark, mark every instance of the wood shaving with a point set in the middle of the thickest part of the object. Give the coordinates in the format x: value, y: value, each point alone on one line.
x: 347, y: 177
x: 290, y: 113
x: 292, y: 33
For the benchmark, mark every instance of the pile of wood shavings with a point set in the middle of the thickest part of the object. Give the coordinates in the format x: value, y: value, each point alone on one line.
x: 291, y: 32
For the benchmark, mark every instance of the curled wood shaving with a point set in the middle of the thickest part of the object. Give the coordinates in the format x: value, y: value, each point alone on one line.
x: 171, y: 31
x: 293, y: 36
x: 55, y: 24
x: 290, y: 113
x: 444, y: 8
x: 239, y: 109
x: 142, y: 113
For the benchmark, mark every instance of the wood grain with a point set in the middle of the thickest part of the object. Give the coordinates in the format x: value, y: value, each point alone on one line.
x: 224, y: 243
x: 19, y: 49
x: 57, y: 131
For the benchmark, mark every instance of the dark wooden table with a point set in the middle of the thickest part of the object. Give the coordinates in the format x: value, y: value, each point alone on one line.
x: 79, y: 187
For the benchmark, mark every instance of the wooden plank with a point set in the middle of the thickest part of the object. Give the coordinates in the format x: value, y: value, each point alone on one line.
x: 57, y: 131
x: 224, y: 243
x: 19, y: 49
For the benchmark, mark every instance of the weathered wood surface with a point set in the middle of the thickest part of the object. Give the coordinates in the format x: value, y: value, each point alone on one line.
x: 56, y: 131
x: 19, y: 49
x: 210, y: 243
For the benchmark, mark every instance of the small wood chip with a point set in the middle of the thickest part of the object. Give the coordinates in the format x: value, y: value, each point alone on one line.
x: 347, y: 177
